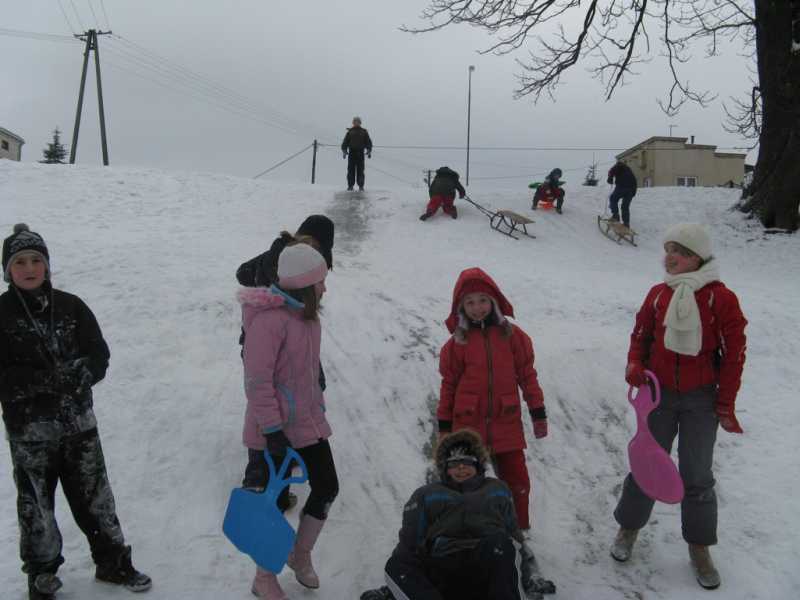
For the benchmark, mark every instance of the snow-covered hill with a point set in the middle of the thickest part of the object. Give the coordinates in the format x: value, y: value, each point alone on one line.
x: 154, y: 255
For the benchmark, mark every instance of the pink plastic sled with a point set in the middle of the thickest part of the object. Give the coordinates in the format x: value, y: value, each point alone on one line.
x: 651, y: 466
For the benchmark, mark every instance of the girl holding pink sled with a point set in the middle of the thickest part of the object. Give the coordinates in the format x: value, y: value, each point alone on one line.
x: 690, y: 333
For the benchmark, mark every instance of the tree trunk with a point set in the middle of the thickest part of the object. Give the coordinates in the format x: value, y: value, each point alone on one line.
x: 774, y: 195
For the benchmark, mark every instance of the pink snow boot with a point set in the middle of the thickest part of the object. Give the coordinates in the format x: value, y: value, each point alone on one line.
x: 300, y: 558
x: 266, y: 586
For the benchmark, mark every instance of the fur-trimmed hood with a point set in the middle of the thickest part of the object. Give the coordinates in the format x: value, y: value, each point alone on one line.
x: 463, y: 437
x: 266, y: 298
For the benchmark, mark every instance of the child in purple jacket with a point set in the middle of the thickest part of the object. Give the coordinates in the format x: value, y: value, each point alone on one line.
x: 285, y: 404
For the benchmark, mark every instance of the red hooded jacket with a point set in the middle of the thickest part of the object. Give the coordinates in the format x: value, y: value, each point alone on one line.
x: 722, y: 353
x: 482, y: 375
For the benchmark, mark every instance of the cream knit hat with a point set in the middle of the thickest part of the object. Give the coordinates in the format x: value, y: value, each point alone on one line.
x: 300, y: 266
x: 692, y: 236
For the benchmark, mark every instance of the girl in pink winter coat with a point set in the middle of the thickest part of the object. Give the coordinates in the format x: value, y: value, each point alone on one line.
x: 285, y: 405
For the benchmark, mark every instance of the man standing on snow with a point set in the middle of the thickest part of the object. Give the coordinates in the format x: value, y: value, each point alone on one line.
x: 356, y: 142
x: 625, y: 188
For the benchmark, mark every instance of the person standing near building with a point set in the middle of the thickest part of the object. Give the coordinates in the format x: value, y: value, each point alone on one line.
x: 624, y: 189
x: 356, y: 142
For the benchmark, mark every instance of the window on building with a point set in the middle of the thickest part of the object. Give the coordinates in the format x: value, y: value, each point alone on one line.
x: 4, y: 145
x: 686, y: 181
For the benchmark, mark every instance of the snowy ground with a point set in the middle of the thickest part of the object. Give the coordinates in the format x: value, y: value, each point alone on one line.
x: 154, y: 255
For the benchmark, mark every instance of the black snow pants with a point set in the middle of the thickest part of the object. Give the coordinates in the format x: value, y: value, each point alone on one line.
x: 487, y: 571
x: 690, y: 416
x: 626, y: 195
x: 322, y: 477
x: 355, y: 168
x: 77, y: 462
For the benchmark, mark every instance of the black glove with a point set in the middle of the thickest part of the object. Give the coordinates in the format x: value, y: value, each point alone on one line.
x: 344, y: 153
x: 277, y: 443
x: 369, y: 153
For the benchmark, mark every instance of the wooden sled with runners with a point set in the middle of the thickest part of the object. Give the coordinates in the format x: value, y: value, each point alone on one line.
x: 506, y: 222
x: 616, y: 231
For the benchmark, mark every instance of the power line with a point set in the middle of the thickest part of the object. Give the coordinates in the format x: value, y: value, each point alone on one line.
x: 77, y: 16
x: 163, y: 62
x: 103, y: 6
x: 283, y: 162
x: 42, y: 37
x: 91, y: 8
x: 188, y: 80
x: 170, y: 80
x: 63, y: 12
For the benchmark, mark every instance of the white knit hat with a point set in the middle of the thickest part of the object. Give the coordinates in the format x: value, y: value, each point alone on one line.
x: 692, y: 236
x: 300, y: 266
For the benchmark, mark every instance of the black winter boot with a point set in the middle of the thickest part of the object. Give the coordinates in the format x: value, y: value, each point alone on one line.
x: 121, y: 572
x: 382, y: 593
x: 43, y: 586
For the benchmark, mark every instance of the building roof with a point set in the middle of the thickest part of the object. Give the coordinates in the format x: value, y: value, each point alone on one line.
x: 8, y: 133
x: 676, y: 140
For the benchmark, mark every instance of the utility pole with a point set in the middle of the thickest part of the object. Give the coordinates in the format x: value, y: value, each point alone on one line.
x: 314, y: 163
x: 469, y: 115
x: 90, y: 37
x: 428, y: 177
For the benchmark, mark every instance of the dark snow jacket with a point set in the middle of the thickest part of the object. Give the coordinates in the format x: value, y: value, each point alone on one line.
x: 357, y: 139
x: 445, y: 517
x: 41, y: 398
x: 262, y: 270
x: 446, y: 184
x: 623, y: 178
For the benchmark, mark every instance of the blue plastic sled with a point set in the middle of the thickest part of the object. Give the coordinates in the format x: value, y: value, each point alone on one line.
x: 253, y: 522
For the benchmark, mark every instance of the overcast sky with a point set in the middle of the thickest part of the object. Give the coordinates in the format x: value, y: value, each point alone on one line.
x: 302, y: 70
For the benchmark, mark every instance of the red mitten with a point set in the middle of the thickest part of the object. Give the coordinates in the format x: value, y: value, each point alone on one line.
x: 727, y: 419
x: 634, y: 374
x: 540, y: 428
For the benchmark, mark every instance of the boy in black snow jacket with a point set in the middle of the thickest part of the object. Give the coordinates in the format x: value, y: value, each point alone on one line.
x: 51, y: 354
x: 456, y: 538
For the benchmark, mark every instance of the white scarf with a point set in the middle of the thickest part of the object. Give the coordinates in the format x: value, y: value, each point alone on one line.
x: 684, y: 333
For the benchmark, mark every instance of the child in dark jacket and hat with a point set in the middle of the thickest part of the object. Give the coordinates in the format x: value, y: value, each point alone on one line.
x: 456, y: 538
x: 483, y: 366
x: 443, y: 193
x: 51, y: 354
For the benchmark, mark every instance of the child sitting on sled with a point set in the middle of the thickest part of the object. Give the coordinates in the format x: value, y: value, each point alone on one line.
x: 549, y: 191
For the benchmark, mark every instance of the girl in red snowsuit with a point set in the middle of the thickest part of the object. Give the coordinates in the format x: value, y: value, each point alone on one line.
x: 483, y: 366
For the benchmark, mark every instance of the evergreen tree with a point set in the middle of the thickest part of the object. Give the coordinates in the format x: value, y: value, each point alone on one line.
x: 55, y: 153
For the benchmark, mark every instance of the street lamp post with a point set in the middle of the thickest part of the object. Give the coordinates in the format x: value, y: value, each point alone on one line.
x: 469, y: 115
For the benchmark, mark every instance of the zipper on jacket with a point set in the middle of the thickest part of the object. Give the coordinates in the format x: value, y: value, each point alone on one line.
x: 488, y: 346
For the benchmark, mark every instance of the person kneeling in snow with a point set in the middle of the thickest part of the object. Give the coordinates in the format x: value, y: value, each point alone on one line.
x: 550, y: 191
x: 456, y: 538
x: 51, y: 354
x: 443, y: 193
